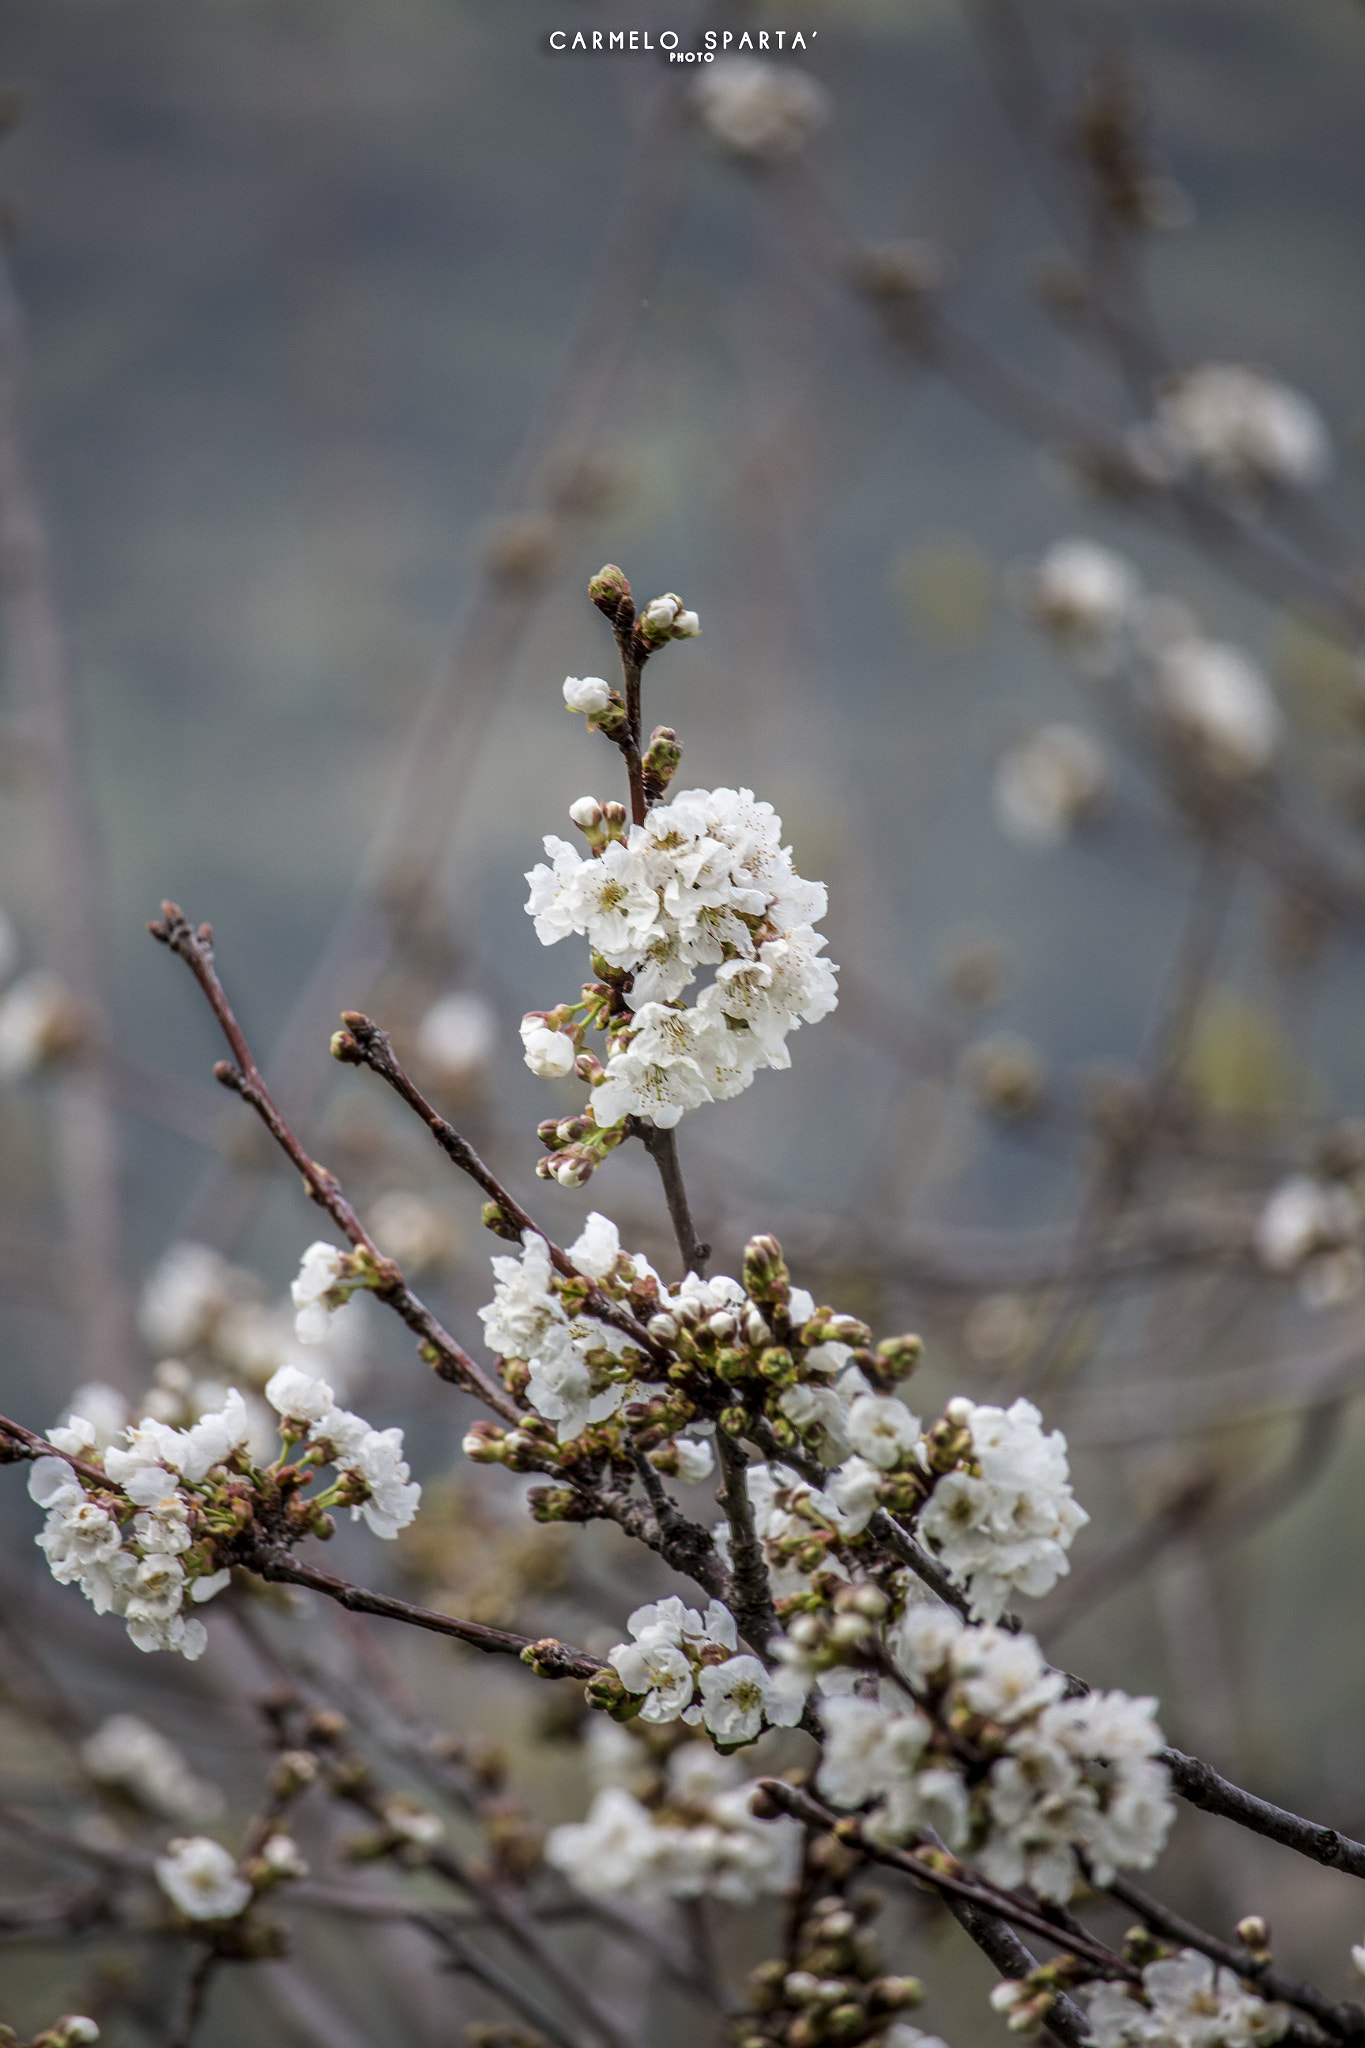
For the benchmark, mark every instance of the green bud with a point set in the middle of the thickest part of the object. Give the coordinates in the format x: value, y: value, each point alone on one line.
x: 661, y: 759
x: 609, y: 589
x: 732, y: 1420
x: 901, y: 1354
x: 765, y: 1270
x: 495, y: 1218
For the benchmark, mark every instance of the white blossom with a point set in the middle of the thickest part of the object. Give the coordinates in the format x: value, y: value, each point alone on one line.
x: 586, y: 693
x: 739, y: 1695
x: 550, y: 1054
x: 38, y: 1022
x: 457, y: 1035
x: 1009, y: 1530
x: 199, y: 1876
x: 852, y: 1494
x: 660, y: 1073
x: 1186, y: 2001
x: 127, y: 1752
x: 1301, y: 1216
x: 881, y: 1429
x: 597, y: 1247
x: 1082, y: 591
x: 1217, y: 699
x: 696, y: 1459
x: 666, y: 614
x: 719, y: 1850
x: 320, y: 1270
x: 1242, y: 427
x: 759, y: 111
x: 393, y: 1496
x: 296, y: 1393
x: 1049, y: 784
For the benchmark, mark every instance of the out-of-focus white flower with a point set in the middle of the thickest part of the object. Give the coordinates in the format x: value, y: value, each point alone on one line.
x: 1243, y: 428
x: 721, y: 1851
x: 1302, y: 1216
x: 319, y: 1272
x: 457, y: 1036
x: 1217, y: 700
x: 198, y: 1876
x: 1049, y: 784
x: 182, y: 1298
x: 550, y: 1054
x: 281, y: 1856
x: 410, y: 1229
x: 39, y: 1022
x: 127, y: 1752
x: 758, y: 111
x: 98, y: 1412
x: 1082, y: 592
x: 1186, y: 2001
x: 586, y: 693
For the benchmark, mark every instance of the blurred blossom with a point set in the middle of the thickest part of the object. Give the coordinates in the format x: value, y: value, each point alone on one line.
x: 1217, y: 699
x: 1309, y: 1227
x: 1005, y: 1075
x: 39, y: 1023
x: 997, y: 1330
x: 762, y: 112
x: 128, y: 1754
x: 410, y: 1230
x: 457, y: 1036
x: 183, y: 1296
x: 1083, y: 593
x: 1049, y: 784
x: 103, y: 1407
x: 1243, y: 428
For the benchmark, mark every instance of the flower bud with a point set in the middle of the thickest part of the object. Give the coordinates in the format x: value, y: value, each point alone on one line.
x: 614, y: 820
x: 901, y: 1355
x: 664, y: 619
x: 1253, y: 1933
x: 609, y: 589
x: 662, y: 1328
x: 295, y: 1770
x: 586, y: 693
x: 661, y: 759
x: 765, y: 1269
x: 485, y: 1442
x: 893, y: 1994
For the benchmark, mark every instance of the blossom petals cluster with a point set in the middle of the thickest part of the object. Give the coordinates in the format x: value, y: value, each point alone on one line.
x: 160, y: 1534
x: 998, y: 1762
x: 681, y: 1665
x: 1186, y: 2001
x: 704, y: 882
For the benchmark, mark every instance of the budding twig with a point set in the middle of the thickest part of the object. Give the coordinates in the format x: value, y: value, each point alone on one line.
x: 450, y: 1360
x: 945, y: 1874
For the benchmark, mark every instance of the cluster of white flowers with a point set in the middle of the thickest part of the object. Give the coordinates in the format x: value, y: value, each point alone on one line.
x: 757, y: 111
x: 704, y: 882
x: 699, y: 1841
x: 374, y: 1478
x: 1066, y: 1775
x: 1049, y: 784
x: 39, y: 1021
x: 146, y: 1566
x: 129, y: 1755
x: 1186, y: 2001
x: 580, y: 1368
x: 200, y: 1878
x: 1003, y: 1520
x: 144, y: 1546
x: 686, y: 1666
x: 1312, y: 1228
x: 1242, y: 429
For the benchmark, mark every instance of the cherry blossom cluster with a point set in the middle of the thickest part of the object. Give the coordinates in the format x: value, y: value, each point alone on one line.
x: 1185, y: 2001
x: 683, y: 1666
x: 681, y: 1831
x: 1239, y: 429
x: 704, y: 882
x: 205, y: 1883
x: 157, y: 1534
x: 978, y: 1742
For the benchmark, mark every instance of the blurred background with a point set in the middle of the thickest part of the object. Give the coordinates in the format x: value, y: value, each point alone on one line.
x: 355, y: 337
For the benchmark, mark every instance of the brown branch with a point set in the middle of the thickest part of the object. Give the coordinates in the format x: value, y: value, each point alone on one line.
x: 373, y: 1048
x: 552, y: 1659
x: 942, y: 1873
x: 662, y: 1147
x: 193, y: 1999
x: 753, y: 1600
x: 449, y: 1359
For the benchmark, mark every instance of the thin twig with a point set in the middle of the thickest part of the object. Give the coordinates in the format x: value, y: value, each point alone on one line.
x: 755, y: 1615
x: 449, y: 1359
x: 552, y: 1659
